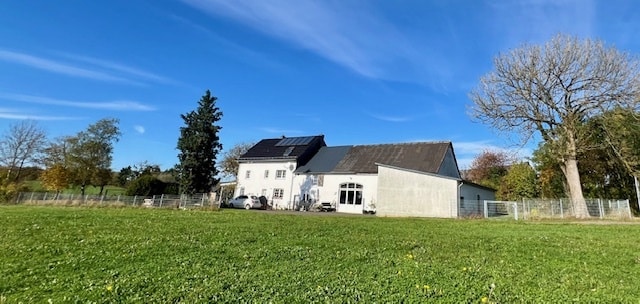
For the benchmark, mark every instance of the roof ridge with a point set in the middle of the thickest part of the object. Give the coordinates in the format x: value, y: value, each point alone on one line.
x: 406, y: 143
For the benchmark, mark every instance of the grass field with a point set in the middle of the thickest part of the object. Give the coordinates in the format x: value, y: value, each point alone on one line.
x: 141, y: 255
x: 36, y: 186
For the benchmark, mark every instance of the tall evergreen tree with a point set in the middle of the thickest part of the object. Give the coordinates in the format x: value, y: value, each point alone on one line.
x: 199, y: 145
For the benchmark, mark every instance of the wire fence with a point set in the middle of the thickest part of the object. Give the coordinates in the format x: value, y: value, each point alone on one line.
x: 198, y: 200
x: 556, y: 208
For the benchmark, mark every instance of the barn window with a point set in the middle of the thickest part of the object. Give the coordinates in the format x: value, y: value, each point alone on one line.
x: 351, y: 194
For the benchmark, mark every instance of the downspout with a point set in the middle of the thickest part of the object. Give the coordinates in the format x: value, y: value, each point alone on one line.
x: 291, y: 189
x: 458, y: 198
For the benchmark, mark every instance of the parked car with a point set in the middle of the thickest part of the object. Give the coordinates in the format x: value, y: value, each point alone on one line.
x: 246, y: 202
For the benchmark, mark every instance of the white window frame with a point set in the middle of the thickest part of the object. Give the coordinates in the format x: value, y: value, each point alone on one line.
x: 278, y: 193
x: 350, y: 194
x: 266, y: 174
x: 247, y: 174
x: 281, y: 174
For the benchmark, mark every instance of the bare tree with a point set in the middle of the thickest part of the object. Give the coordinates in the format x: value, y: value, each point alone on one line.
x: 229, y: 164
x: 23, y: 144
x: 551, y: 90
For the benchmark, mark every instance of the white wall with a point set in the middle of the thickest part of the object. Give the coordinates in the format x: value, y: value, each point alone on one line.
x: 256, y: 182
x: 472, y: 199
x: 329, y: 191
x: 406, y: 193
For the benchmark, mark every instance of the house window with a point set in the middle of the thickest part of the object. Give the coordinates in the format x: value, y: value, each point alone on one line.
x: 350, y: 194
x: 266, y: 173
x: 278, y: 193
x: 247, y: 174
x: 280, y: 174
x: 462, y: 202
x: 314, y: 180
x: 264, y: 192
x: 241, y: 191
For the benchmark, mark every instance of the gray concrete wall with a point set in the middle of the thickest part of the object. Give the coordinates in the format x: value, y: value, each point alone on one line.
x: 406, y: 193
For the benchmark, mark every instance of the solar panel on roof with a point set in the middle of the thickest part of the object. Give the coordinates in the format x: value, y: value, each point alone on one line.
x: 295, y: 141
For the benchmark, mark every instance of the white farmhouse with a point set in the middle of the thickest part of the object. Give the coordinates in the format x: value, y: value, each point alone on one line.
x: 267, y: 168
x: 404, y: 179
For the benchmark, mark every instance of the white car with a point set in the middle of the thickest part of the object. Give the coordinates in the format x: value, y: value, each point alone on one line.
x: 246, y: 202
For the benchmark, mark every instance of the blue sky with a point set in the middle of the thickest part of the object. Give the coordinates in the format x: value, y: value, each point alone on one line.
x: 359, y: 72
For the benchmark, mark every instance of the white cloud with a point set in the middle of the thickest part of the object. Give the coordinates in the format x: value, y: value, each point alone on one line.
x: 118, y: 105
x: 389, y: 118
x: 139, y: 129
x: 121, y: 68
x: 60, y: 68
x: 353, y: 36
x: 20, y: 115
x: 280, y: 131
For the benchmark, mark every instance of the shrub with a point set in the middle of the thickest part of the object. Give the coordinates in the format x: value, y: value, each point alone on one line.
x: 146, y: 185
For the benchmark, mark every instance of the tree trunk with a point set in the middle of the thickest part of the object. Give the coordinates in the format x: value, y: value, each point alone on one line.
x: 575, y: 188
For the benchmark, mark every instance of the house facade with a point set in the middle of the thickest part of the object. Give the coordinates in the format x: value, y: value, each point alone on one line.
x: 267, y: 168
x: 404, y: 179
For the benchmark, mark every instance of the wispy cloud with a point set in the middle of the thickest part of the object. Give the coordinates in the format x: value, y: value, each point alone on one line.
x: 389, y: 118
x: 139, y: 129
x: 119, y: 67
x: 21, y: 115
x: 240, y: 52
x: 350, y: 35
x: 467, y: 151
x: 576, y: 17
x: 280, y: 131
x: 60, y: 68
x: 117, y: 105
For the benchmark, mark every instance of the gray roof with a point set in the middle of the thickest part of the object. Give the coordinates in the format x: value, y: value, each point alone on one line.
x: 420, y: 156
x: 325, y: 160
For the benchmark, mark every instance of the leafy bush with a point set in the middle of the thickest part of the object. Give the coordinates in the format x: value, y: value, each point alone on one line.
x: 8, y: 192
x: 145, y: 185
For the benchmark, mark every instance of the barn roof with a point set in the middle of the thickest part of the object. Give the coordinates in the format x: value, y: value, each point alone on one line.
x: 325, y: 160
x: 421, y: 156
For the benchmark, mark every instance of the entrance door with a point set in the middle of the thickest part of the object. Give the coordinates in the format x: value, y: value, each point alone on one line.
x: 350, y: 198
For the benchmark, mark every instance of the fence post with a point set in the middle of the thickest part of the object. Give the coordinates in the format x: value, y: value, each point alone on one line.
x: 202, y: 202
x: 629, y: 209
x: 515, y: 208
x: 18, y: 198
x: 31, y: 198
x: 118, y: 199
x: 486, y: 210
x: 561, y: 210
x: 600, y: 210
x: 134, y: 199
x: 161, y: 198
x: 102, y: 199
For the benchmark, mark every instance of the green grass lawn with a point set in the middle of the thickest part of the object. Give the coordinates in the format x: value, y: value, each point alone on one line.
x: 142, y: 255
x: 36, y: 186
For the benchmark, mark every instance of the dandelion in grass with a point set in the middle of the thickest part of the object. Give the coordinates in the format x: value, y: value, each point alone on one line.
x: 109, y: 287
x: 484, y: 300
x: 410, y: 256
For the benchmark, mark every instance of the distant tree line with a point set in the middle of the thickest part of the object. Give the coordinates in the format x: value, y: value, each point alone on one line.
x: 85, y: 158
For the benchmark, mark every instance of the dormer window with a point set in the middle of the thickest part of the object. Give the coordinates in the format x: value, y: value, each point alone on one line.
x: 288, y: 151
